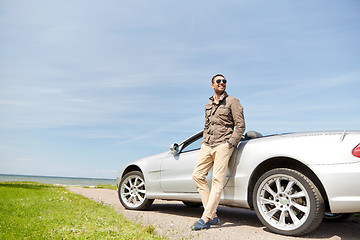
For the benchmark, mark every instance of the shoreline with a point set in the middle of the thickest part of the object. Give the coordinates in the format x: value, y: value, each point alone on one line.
x: 68, y: 181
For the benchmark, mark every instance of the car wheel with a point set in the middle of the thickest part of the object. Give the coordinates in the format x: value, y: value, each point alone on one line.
x: 132, y: 192
x: 192, y: 204
x: 287, y: 202
x: 337, y: 217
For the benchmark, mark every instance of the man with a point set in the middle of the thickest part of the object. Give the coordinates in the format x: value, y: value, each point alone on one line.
x: 223, y: 113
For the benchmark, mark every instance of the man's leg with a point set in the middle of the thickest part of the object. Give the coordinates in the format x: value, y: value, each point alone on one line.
x: 221, y: 159
x: 203, y: 166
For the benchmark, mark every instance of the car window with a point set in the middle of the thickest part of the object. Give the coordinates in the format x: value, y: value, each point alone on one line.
x: 195, y: 145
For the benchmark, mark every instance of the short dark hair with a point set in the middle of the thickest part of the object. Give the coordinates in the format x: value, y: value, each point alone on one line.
x: 217, y: 75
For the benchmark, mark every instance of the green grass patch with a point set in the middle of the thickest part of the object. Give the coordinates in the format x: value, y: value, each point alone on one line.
x: 42, y: 211
x: 109, y: 186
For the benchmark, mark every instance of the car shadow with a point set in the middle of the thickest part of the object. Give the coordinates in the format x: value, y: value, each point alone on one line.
x: 235, y: 217
x: 229, y: 216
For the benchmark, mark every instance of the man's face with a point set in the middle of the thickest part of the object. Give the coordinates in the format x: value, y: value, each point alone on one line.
x: 218, y: 84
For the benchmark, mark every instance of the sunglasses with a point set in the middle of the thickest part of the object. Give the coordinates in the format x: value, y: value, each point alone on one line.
x: 219, y: 81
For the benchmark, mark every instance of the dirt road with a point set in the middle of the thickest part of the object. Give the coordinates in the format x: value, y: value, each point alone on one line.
x: 173, y: 219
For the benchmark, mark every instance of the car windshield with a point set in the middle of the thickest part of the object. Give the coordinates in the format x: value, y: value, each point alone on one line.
x: 193, y: 145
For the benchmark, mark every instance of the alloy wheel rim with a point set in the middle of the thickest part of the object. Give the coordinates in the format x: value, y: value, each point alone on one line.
x: 133, y: 191
x: 283, y: 202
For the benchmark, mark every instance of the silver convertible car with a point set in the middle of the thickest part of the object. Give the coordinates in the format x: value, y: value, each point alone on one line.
x: 291, y: 180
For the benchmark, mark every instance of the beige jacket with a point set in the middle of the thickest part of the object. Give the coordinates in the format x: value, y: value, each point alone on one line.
x: 220, y: 121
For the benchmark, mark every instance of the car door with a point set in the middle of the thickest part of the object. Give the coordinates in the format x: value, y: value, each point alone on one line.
x: 177, y: 168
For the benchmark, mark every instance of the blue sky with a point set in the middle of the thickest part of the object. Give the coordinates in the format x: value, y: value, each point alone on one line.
x: 86, y: 86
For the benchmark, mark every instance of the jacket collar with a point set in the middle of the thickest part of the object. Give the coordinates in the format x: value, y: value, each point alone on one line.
x: 222, y: 97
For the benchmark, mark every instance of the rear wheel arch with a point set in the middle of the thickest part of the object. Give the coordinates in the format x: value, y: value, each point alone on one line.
x: 284, y: 162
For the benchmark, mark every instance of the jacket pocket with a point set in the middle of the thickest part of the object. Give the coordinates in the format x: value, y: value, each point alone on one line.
x: 223, y: 111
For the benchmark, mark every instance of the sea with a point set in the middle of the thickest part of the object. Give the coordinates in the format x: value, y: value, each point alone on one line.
x: 70, y: 181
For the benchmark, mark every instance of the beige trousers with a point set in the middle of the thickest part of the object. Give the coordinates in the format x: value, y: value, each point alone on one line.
x: 218, y: 158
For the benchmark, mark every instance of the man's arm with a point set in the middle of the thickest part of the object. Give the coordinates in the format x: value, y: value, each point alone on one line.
x: 239, y: 122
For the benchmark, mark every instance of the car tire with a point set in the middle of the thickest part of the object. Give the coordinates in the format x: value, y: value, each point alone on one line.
x: 337, y: 217
x: 287, y: 202
x: 132, y: 192
x: 192, y: 204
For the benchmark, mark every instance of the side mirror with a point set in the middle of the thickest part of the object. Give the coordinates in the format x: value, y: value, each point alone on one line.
x: 174, y: 148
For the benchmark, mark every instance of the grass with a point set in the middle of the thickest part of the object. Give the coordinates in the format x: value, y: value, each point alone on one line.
x: 40, y: 211
x: 109, y: 186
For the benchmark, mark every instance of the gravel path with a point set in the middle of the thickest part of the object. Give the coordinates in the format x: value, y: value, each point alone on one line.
x: 173, y: 219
